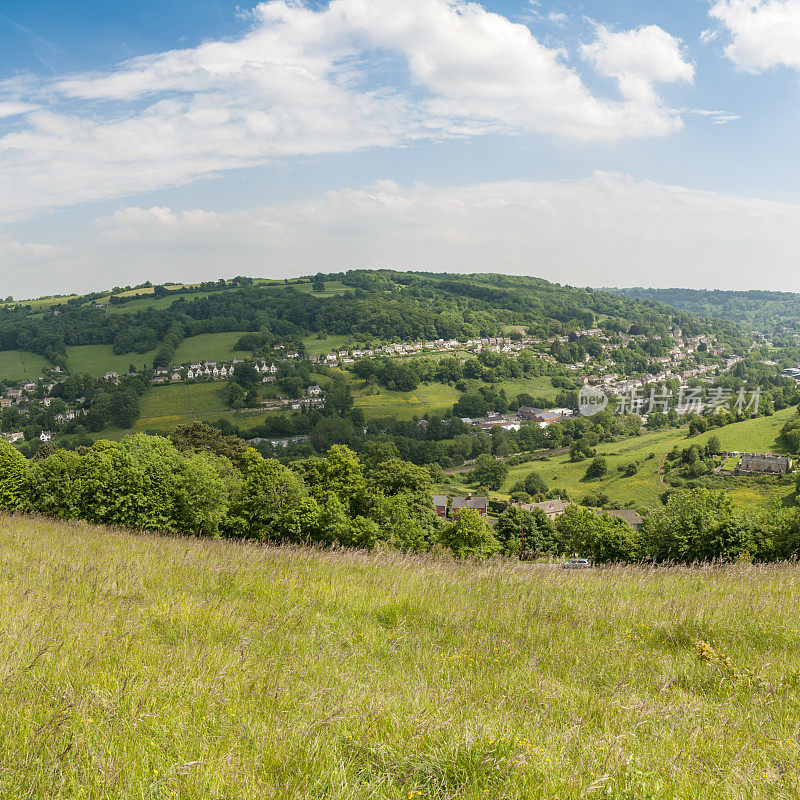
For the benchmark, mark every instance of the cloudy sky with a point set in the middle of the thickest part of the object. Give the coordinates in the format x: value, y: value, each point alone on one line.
x: 622, y: 142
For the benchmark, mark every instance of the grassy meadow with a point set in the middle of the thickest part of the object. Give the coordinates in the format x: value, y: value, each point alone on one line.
x: 164, y: 407
x: 427, y: 397
x: 97, y: 359
x: 209, y: 347
x: 320, y: 347
x: 136, y: 666
x: 20, y: 365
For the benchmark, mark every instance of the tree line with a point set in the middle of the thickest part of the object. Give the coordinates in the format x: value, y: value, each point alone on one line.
x: 203, y: 483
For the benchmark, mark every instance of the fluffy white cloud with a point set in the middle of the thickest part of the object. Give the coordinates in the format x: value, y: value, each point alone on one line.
x: 637, y: 59
x: 607, y: 229
x: 350, y: 75
x: 764, y: 33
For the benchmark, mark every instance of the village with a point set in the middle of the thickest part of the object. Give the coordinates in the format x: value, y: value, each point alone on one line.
x: 697, y: 359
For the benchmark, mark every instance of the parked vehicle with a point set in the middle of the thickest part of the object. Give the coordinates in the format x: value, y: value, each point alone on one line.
x: 577, y: 563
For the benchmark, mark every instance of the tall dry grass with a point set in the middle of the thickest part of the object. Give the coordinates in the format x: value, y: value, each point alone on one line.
x: 134, y: 666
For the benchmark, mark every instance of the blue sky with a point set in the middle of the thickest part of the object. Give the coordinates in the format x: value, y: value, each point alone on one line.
x: 613, y: 143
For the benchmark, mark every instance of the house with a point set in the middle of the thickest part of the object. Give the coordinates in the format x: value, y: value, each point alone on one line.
x: 111, y: 376
x: 440, y: 504
x: 633, y: 518
x: 764, y: 463
x: 552, y: 509
x: 45, y: 436
x: 14, y: 437
x: 176, y: 376
x: 542, y: 415
x: 479, y: 504
x: 190, y: 374
x: 314, y: 390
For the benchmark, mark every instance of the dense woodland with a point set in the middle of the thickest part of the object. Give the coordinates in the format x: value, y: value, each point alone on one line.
x: 765, y: 311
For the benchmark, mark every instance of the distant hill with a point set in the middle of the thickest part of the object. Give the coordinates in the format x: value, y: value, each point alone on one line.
x: 752, y: 310
x: 365, y: 305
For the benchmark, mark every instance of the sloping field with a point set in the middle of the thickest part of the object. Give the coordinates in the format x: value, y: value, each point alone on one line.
x: 142, y: 667
x: 20, y: 365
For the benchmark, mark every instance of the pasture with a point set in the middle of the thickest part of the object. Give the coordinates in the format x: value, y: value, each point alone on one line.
x: 138, y: 666
x: 209, y: 347
x: 427, y: 397
x: 164, y: 407
x: 20, y: 365
x: 97, y: 359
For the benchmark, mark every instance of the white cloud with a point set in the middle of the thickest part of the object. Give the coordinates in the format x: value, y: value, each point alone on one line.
x: 10, y: 108
x: 764, y: 33
x: 607, y: 229
x: 352, y: 75
x: 637, y: 59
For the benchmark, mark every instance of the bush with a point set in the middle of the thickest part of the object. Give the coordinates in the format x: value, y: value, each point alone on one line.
x: 469, y: 535
x: 597, y: 469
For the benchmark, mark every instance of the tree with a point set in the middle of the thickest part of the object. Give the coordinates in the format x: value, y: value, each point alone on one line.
x: 270, y: 501
x: 13, y: 476
x: 318, y: 284
x: 332, y: 431
x: 597, y: 469
x: 339, y: 398
x: 697, y: 525
x: 714, y: 446
x: 599, y: 537
x: 469, y: 535
x: 490, y: 472
x: 535, y: 484
x: 525, y: 533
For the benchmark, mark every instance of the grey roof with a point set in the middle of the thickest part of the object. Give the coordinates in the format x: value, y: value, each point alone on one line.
x: 549, y: 506
x: 440, y: 500
x: 628, y: 514
x: 470, y: 502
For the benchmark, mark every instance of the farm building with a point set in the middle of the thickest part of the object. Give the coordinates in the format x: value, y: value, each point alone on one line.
x: 764, y: 464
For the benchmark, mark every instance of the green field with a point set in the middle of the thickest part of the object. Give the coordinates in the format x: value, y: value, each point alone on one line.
x: 427, y: 397
x: 209, y: 347
x: 143, y: 667
x: 164, y: 407
x: 148, y: 301
x: 645, y: 488
x: 97, y: 359
x: 320, y: 347
x: 20, y: 365
x: 537, y: 387
x: 44, y: 302
x: 331, y: 288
